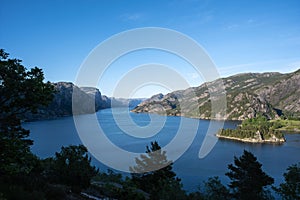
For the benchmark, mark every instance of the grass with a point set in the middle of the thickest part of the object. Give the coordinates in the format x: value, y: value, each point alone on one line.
x: 288, y: 125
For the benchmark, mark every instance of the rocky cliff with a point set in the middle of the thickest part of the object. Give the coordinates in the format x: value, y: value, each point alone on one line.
x: 247, y: 95
x: 101, y: 101
x: 61, y: 104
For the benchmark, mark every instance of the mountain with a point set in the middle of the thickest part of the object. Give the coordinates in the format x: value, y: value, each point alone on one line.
x: 122, y: 102
x: 61, y: 104
x: 270, y: 94
x: 101, y: 101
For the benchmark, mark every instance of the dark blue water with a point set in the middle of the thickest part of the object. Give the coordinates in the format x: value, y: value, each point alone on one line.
x: 50, y: 135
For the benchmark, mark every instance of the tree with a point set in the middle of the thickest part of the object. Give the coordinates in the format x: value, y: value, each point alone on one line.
x: 248, y: 181
x: 72, y: 166
x: 21, y: 91
x: 291, y: 188
x: 154, y: 160
x: 195, y: 196
x: 161, y: 183
x: 215, y: 190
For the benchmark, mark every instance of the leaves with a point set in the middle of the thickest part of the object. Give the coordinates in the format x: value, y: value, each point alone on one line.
x: 21, y: 90
x: 247, y: 178
x: 153, y: 173
x: 215, y: 190
x: 72, y: 166
x: 290, y: 189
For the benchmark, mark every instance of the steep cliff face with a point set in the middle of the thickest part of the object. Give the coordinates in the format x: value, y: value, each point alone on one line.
x: 61, y: 104
x: 101, y: 102
x: 247, y: 95
x: 284, y: 94
x: 85, y: 98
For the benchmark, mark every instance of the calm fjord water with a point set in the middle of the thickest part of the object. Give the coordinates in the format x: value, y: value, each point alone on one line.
x: 50, y: 135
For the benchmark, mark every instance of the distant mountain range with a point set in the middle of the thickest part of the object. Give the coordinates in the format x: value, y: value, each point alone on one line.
x: 248, y: 95
x: 61, y: 104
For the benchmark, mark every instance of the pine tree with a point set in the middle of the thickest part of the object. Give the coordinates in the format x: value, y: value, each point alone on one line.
x: 161, y: 183
x: 72, y: 166
x: 215, y: 190
x: 290, y: 189
x: 21, y: 91
x: 248, y: 181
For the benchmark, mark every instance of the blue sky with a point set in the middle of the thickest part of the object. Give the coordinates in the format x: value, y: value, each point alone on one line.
x: 239, y: 36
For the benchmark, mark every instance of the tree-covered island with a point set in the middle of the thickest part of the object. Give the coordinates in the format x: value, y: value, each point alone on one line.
x: 259, y: 130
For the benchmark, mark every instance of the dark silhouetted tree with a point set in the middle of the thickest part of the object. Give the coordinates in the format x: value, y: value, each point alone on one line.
x: 72, y: 166
x: 248, y: 181
x: 290, y: 189
x: 153, y: 173
x: 21, y: 91
x: 195, y: 196
x: 215, y: 190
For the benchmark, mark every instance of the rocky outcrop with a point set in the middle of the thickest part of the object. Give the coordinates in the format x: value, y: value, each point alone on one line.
x: 284, y: 94
x: 247, y: 95
x: 272, y: 140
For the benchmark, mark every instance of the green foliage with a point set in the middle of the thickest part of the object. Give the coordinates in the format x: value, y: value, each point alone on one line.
x: 287, y: 125
x: 205, y: 109
x: 19, y: 192
x: 248, y: 181
x: 290, y: 189
x: 21, y: 91
x: 155, y: 158
x: 113, y: 185
x: 250, y: 128
x: 195, y: 196
x: 291, y: 115
x: 72, y: 166
x: 160, y: 184
x: 32, y: 185
x: 110, y: 176
x: 215, y: 190
x: 51, y: 178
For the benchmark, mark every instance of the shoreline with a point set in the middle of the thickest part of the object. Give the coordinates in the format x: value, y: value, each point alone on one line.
x: 190, y: 117
x: 252, y: 140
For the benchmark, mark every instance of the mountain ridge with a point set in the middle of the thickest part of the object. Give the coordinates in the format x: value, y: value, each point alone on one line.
x: 271, y: 94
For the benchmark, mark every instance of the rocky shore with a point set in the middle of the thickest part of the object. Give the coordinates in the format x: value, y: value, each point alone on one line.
x: 273, y: 140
